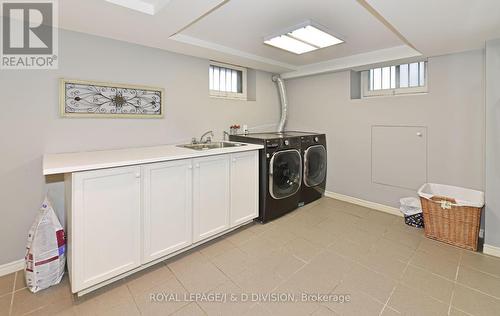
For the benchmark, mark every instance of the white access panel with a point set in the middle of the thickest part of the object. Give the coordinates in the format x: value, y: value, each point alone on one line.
x: 399, y: 156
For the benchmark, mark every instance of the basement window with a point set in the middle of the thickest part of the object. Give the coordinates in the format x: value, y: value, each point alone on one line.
x: 392, y: 80
x: 227, y: 81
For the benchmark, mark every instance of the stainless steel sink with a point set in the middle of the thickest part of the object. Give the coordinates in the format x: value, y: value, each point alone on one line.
x: 212, y: 145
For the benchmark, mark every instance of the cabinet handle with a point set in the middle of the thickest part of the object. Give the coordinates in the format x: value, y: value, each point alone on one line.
x: 137, y: 174
x: 419, y: 134
x: 234, y: 159
x: 190, y: 167
x: 197, y: 165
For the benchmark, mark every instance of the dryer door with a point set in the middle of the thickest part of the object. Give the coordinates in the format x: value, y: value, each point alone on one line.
x: 285, y: 173
x: 314, y: 165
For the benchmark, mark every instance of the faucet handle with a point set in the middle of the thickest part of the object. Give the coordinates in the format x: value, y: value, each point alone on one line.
x: 193, y: 140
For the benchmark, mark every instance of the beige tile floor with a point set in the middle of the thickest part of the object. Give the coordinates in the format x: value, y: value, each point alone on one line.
x: 327, y: 247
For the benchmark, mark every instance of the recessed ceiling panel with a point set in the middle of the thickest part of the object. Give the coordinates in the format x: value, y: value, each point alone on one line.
x: 243, y: 25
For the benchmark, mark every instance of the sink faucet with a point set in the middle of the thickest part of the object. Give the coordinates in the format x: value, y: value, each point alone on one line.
x: 208, y: 138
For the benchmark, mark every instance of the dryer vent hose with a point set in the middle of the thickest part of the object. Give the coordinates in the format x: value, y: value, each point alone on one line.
x: 284, y: 102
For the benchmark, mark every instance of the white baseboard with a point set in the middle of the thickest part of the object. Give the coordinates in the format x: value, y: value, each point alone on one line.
x: 368, y: 204
x: 491, y: 250
x: 11, y: 267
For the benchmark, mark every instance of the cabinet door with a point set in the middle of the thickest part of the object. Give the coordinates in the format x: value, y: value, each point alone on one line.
x: 244, y: 187
x: 167, y: 208
x: 106, y: 223
x: 211, y: 196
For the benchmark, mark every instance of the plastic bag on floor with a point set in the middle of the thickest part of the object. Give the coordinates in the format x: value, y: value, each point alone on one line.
x: 412, y: 211
x: 45, y: 251
x: 410, y: 206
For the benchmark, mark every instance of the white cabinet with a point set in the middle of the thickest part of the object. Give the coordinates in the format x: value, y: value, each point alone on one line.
x: 244, y: 187
x: 105, y: 225
x: 167, y: 200
x: 211, y: 196
x: 121, y: 220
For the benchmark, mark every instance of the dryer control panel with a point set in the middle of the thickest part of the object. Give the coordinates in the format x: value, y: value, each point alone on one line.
x: 273, y: 145
x: 311, y: 140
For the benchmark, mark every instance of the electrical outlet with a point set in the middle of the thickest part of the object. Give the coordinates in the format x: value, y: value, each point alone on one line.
x: 481, y: 233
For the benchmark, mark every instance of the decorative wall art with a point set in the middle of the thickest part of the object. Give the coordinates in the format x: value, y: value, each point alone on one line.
x: 109, y: 100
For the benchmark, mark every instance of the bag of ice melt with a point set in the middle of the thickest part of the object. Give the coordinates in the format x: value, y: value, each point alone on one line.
x: 45, y: 251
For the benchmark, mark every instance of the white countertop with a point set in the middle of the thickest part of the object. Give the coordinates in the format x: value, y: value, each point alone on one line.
x: 92, y: 160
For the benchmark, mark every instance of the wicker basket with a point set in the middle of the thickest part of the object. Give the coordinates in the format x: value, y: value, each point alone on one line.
x: 451, y: 222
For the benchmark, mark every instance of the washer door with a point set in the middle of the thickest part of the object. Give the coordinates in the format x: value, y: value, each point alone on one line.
x: 285, y: 173
x: 314, y: 165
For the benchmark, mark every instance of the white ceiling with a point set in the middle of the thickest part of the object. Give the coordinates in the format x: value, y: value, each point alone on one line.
x: 374, y: 31
x: 106, y: 19
x: 243, y: 24
x: 146, y: 6
x: 438, y: 27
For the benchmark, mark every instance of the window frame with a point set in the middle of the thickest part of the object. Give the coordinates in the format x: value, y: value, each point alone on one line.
x: 225, y: 94
x: 367, y: 93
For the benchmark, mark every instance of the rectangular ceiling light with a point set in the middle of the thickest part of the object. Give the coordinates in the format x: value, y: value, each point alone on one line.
x: 317, y: 37
x: 150, y: 7
x: 303, y: 39
x: 290, y: 44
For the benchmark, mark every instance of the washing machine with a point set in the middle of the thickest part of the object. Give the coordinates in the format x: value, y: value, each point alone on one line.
x: 314, y: 157
x: 280, y: 168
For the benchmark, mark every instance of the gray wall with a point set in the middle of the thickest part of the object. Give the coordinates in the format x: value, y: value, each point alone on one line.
x: 452, y: 111
x: 30, y: 125
x: 492, y: 231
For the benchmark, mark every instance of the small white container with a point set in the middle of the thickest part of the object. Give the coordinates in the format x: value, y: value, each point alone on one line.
x: 410, y: 206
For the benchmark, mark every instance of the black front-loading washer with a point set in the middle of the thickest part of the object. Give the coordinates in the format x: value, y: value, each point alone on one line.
x: 314, y: 156
x: 280, y: 172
